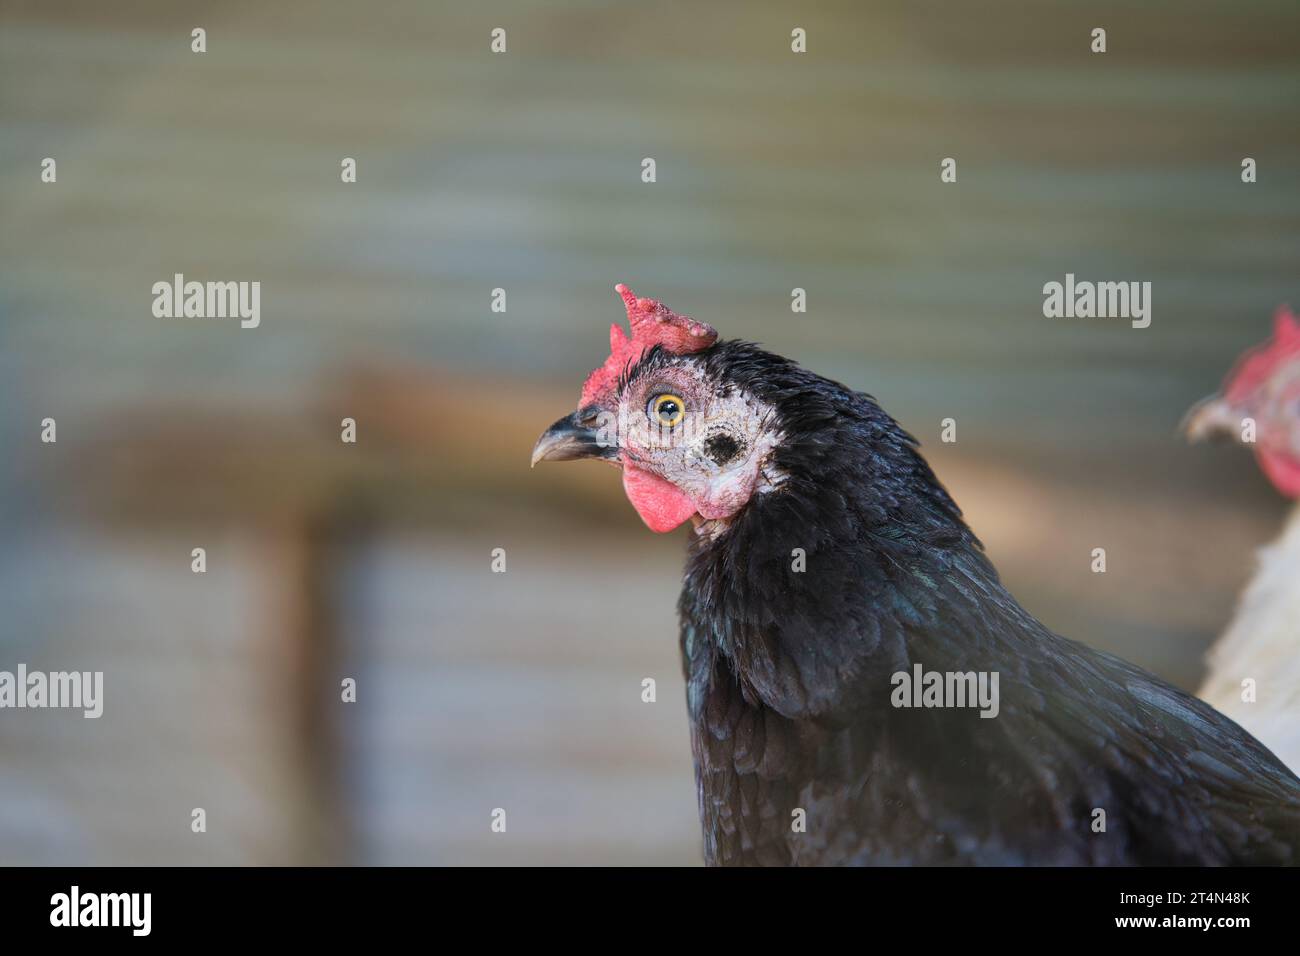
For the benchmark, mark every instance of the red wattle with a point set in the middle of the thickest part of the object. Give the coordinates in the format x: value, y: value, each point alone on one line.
x: 661, y: 504
x: 1282, y: 470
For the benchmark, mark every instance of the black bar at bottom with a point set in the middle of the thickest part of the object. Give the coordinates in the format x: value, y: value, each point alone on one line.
x: 335, y: 906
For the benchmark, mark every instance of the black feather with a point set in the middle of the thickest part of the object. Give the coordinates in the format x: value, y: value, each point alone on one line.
x: 788, y: 681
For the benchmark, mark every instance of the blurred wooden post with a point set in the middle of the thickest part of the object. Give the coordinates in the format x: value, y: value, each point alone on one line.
x: 305, y: 557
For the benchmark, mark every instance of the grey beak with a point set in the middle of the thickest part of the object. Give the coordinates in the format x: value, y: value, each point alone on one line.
x: 568, y: 440
x: 1212, y: 417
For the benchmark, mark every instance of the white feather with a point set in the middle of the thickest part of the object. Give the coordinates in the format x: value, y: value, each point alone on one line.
x: 1263, y: 644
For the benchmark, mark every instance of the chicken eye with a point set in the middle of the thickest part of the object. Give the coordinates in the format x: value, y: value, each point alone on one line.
x: 667, y: 410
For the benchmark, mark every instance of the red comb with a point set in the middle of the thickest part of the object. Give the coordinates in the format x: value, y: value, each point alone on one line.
x: 1259, y: 363
x: 653, y: 323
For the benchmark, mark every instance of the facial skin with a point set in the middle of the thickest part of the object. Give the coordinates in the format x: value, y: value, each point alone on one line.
x: 1279, y: 429
x: 714, y: 455
x: 688, y: 445
x: 1263, y: 389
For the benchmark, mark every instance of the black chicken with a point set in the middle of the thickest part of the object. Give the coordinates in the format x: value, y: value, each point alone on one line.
x: 828, y: 571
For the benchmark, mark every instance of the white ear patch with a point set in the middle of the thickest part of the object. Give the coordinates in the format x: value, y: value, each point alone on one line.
x: 731, y: 458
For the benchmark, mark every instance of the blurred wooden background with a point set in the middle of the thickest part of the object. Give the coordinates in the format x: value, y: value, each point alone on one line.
x: 521, y: 171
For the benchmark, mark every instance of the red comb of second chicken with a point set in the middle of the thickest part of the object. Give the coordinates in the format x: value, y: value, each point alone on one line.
x: 653, y: 323
x: 1257, y: 365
